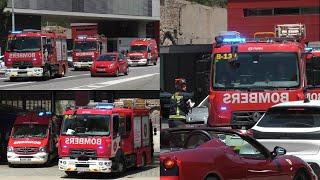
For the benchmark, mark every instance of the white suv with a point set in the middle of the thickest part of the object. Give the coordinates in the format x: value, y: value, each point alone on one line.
x: 294, y: 126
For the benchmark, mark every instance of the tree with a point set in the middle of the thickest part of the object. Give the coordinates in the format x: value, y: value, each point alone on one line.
x: 4, y: 16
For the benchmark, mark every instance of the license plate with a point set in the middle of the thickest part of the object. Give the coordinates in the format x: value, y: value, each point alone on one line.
x: 25, y: 159
x: 100, y: 70
x: 82, y: 169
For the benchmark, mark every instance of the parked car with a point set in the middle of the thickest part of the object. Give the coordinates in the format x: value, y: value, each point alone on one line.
x: 221, y: 153
x: 295, y: 126
x: 110, y: 64
x: 199, y: 113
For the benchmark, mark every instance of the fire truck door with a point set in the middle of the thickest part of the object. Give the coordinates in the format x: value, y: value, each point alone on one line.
x: 145, y: 131
x: 115, y: 135
x: 44, y: 49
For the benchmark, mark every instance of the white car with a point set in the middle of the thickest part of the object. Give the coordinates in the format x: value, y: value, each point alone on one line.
x: 294, y: 126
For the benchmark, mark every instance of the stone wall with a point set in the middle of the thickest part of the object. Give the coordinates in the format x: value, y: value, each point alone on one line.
x: 191, y: 23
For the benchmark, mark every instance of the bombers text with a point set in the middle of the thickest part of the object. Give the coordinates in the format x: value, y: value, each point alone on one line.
x: 243, y: 98
x: 91, y: 141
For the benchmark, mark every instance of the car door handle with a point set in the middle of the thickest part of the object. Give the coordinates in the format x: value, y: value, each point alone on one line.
x: 261, y: 171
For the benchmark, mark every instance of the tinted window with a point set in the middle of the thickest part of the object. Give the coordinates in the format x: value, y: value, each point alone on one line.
x: 291, y: 118
x: 107, y: 57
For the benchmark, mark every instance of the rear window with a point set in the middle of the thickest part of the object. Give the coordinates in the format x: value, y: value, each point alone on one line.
x: 107, y: 57
x: 295, y: 117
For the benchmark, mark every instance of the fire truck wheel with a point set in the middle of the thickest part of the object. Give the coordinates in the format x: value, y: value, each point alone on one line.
x: 11, y: 165
x: 92, y: 75
x: 47, y: 164
x: 13, y: 79
x: 71, y: 173
x: 212, y: 177
x: 148, y: 62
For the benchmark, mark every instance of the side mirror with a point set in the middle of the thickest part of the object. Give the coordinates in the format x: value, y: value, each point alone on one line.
x: 278, y: 151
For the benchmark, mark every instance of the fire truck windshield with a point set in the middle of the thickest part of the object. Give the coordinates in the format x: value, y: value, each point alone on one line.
x: 140, y: 48
x: 256, y: 70
x: 23, y: 44
x: 30, y: 130
x: 86, y: 124
x: 84, y: 46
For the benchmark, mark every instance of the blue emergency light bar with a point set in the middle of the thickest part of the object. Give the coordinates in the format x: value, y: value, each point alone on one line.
x: 234, y: 40
x: 44, y: 113
x: 104, y: 105
x: 16, y: 32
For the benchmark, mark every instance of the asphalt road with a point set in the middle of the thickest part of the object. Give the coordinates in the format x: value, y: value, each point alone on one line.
x: 139, y: 78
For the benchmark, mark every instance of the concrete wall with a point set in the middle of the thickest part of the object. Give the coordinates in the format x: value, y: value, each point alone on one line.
x: 193, y: 23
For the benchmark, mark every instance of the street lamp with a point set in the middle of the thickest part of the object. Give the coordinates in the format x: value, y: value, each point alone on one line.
x: 13, y: 20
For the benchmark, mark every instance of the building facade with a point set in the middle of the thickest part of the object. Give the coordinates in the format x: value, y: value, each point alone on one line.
x: 250, y: 16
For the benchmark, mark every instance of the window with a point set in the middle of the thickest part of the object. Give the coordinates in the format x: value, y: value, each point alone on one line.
x: 286, y: 11
x: 258, y: 12
x: 310, y: 10
x: 242, y: 147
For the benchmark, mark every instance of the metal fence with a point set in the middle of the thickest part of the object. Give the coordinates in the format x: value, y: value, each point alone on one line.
x: 119, y: 7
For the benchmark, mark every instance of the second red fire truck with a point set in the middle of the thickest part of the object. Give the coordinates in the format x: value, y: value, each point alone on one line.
x: 143, y: 52
x: 34, y: 53
x: 250, y: 75
x: 33, y: 139
x: 102, y: 138
x: 313, y: 73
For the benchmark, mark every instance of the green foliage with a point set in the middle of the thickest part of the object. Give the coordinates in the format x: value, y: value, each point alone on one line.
x: 219, y: 3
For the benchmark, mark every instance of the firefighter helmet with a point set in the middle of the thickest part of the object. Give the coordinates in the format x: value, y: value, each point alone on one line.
x: 180, y: 83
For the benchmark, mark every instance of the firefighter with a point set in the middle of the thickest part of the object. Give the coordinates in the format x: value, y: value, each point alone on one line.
x: 180, y: 104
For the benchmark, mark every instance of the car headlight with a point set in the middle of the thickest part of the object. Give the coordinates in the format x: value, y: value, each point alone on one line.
x: 111, y: 65
x: 43, y: 149
x: 10, y: 149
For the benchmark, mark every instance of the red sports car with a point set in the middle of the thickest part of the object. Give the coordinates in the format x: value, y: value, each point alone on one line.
x: 110, y: 64
x: 206, y: 153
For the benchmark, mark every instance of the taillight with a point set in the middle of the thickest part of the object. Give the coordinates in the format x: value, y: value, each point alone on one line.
x: 249, y: 132
x: 169, y: 163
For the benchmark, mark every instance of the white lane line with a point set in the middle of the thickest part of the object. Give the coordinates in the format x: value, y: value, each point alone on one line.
x: 73, y: 76
x: 110, y: 83
x: 16, y: 84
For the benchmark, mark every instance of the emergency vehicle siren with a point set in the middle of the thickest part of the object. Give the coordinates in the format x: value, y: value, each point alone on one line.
x: 229, y: 37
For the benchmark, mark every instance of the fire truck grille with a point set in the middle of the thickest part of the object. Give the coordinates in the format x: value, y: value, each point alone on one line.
x: 135, y: 58
x: 22, y: 64
x: 26, y: 150
x: 85, y: 59
x: 246, y: 117
x: 88, y: 153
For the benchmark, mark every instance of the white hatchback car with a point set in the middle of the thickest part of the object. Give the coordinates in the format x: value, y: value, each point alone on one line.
x: 294, y: 126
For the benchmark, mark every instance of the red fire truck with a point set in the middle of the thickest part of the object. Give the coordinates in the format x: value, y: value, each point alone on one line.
x: 250, y: 75
x: 313, y: 73
x: 33, y: 139
x: 34, y: 53
x: 88, y: 44
x: 143, y: 52
x: 103, y: 138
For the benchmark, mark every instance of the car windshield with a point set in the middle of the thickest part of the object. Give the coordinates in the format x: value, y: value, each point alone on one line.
x: 313, y: 65
x: 30, y: 130
x: 256, y: 70
x: 107, y: 57
x: 24, y: 44
x: 141, y: 48
x: 295, y: 117
x: 86, y: 124
x: 84, y: 46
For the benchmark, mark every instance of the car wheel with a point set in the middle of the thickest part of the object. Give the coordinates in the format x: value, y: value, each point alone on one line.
x: 127, y: 71
x: 300, y: 176
x: 71, y: 173
x: 11, y: 165
x: 211, y: 177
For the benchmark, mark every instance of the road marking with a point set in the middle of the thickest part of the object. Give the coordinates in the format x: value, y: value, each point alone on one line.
x: 16, y: 84
x: 110, y: 83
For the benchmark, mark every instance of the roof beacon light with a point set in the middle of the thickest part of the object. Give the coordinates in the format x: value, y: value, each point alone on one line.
x: 234, y: 40
x: 82, y: 37
x: 104, y: 105
x: 16, y: 32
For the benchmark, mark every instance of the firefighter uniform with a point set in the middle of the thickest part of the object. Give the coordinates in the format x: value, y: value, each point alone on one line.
x: 179, y: 109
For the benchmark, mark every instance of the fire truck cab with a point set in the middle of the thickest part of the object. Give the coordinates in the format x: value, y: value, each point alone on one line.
x: 87, y: 49
x: 33, y: 139
x: 250, y: 75
x: 143, y: 52
x: 34, y: 53
x: 104, y: 138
